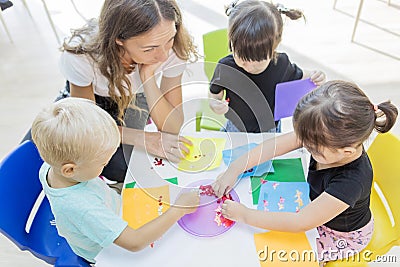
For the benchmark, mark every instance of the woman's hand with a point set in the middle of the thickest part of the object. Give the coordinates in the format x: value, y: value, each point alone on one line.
x: 234, y: 210
x: 147, y: 71
x: 165, y: 145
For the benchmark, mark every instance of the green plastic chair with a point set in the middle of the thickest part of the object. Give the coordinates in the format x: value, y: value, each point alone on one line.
x: 216, y: 46
x: 207, y: 119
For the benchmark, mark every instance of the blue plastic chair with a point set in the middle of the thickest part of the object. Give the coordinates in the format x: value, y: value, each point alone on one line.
x: 18, y: 194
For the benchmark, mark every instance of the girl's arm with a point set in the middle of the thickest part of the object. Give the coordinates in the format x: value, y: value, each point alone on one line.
x: 265, y: 151
x: 159, y: 144
x: 217, y: 104
x: 323, y: 209
x: 317, y: 76
x: 165, y: 103
x: 135, y: 240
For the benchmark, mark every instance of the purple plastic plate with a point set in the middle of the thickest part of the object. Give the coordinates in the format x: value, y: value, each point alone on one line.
x: 201, y: 222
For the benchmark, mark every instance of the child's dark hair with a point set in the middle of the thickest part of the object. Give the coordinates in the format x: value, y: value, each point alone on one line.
x: 338, y: 114
x: 255, y: 28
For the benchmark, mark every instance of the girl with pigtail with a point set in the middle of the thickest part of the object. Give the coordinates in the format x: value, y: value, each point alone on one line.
x: 254, y: 33
x: 331, y: 122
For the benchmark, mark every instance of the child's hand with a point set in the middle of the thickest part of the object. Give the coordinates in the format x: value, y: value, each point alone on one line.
x: 224, y: 183
x: 233, y: 210
x: 188, y: 202
x: 317, y: 77
x: 219, y: 106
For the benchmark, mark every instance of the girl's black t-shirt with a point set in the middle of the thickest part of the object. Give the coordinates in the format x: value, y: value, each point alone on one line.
x: 252, y: 96
x: 351, y: 183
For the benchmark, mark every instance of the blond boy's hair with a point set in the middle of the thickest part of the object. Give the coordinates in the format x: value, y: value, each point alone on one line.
x: 74, y: 130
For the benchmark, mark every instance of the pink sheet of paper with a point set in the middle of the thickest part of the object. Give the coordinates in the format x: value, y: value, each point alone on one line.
x: 281, y: 249
x: 141, y: 205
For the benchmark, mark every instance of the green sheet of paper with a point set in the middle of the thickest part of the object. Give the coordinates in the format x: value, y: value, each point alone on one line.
x: 130, y: 185
x: 286, y: 170
x: 205, y: 154
x: 173, y: 180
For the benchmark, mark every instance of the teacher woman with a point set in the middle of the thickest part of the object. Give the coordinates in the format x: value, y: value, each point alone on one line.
x: 130, y: 62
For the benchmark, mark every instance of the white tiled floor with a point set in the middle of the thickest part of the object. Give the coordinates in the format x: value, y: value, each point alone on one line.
x: 30, y: 79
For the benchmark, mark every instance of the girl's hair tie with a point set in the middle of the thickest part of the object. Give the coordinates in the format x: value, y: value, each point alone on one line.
x: 282, y: 9
x: 230, y: 7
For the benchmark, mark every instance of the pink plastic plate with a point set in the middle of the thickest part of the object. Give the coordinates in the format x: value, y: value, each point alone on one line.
x: 201, y: 222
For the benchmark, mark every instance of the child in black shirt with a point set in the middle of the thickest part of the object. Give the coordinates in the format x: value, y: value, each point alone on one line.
x: 331, y: 122
x: 250, y: 74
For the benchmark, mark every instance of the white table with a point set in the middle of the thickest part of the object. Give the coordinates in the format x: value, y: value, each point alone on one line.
x: 177, y: 247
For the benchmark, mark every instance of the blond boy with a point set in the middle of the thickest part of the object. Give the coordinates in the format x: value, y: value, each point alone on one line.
x: 76, y: 139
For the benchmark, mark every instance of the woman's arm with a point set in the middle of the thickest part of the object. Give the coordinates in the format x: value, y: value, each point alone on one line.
x: 159, y: 144
x: 165, y: 103
x: 323, y: 209
x: 164, y: 145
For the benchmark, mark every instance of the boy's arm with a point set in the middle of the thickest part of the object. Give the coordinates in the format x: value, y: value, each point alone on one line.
x: 135, y: 240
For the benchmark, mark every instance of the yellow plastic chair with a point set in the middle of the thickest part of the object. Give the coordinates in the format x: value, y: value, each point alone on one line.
x: 215, y: 47
x: 384, y: 155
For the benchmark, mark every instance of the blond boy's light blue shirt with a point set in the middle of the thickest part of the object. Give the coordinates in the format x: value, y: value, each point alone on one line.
x: 86, y: 214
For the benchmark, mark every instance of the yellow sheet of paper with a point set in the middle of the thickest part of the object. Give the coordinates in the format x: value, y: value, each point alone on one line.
x: 276, y: 249
x: 140, y: 205
x: 205, y: 154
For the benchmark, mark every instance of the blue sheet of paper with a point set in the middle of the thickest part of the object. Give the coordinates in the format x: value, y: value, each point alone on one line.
x: 283, y: 196
x: 230, y: 155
